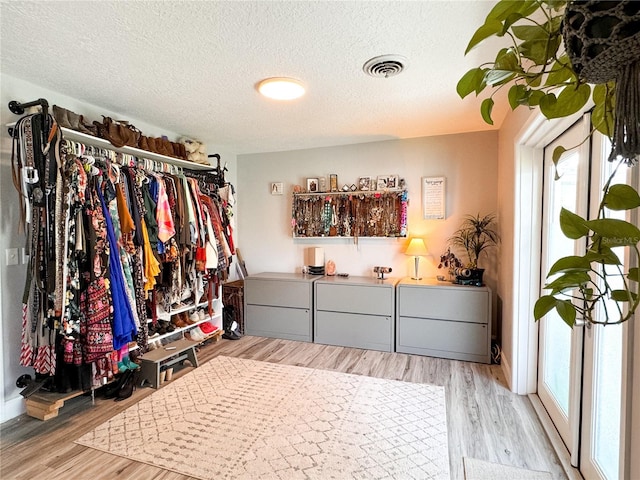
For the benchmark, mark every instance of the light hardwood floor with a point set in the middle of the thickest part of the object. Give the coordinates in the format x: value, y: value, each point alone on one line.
x: 485, y: 420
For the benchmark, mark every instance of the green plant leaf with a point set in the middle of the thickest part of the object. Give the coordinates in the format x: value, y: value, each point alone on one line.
x: 470, y: 82
x: 634, y: 274
x: 504, y: 8
x: 517, y: 96
x: 572, y: 225
x: 571, y: 263
x: 534, y: 97
x: 510, y: 20
x: 490, y: 27
x: 615, y: 232
x: 567, y: 312
x: 485, y: 110
x: 568, y: 102
x: 623, y: 295
x: 530, y: 32
x: 561, y: 71
x: 507, y: 59
x: 568, y: 281
x: 498, y: 77
x: 557, y: 153
x: 602, y: 254
x: 604, y: 106
x: 543, y: 306
x: 621, y: 197
x: 542, y: 50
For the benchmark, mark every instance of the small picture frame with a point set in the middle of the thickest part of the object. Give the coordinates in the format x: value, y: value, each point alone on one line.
x: 381, y: 184
x: 277, y: 188
x: 393, y: 182
x: 333, y: 182
x: 312, y: 185
x: 364, y: 184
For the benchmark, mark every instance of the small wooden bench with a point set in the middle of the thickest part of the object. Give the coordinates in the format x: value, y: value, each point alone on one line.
x: 165, y: 356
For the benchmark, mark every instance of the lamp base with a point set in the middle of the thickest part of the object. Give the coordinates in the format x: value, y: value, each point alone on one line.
x: 417, y: 264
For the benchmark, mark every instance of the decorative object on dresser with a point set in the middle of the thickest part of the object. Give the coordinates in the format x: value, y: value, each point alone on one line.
x: 449, y: 261
x: 475, y: 235
x: 380, y: 271
x: 416, y: 249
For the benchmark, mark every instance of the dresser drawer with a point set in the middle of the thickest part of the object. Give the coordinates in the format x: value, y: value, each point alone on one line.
x: 354, y: 330
x: 440, y: 338
x: 278, y: 322
x: 454, y: 304
x: 374, y: 300
x: 277, y: 293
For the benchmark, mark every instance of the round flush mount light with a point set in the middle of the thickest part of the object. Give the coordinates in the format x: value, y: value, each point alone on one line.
x: 281, y: 88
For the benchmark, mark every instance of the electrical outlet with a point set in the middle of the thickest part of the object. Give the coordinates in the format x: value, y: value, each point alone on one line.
x: 12, y: 256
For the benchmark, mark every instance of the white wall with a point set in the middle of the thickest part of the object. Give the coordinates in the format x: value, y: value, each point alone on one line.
x: 507, y: 181
x: 12, y: 278
x: 468, y: 161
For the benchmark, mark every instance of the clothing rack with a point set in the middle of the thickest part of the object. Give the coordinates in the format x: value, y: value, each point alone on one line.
x: 92, y: 286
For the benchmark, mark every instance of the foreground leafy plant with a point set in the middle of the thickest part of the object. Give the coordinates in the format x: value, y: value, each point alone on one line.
x: 538, y: 73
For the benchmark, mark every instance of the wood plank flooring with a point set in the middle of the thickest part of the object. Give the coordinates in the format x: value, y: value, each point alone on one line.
x: 485, y: 420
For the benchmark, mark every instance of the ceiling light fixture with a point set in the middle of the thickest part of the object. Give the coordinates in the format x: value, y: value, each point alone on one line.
x: 281, y: 88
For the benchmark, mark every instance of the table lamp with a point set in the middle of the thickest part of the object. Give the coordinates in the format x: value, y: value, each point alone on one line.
x: 416, y: 249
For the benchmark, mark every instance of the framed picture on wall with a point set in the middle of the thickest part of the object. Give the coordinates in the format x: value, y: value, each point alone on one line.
x: 277, y: 188
x: 392, y: 182
x: 381, y: 184
x: 364, y: 184
x: 312, y: 185
x: 433, y: 198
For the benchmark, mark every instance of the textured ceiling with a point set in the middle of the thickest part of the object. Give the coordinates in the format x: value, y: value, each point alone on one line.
x: 192, y: 67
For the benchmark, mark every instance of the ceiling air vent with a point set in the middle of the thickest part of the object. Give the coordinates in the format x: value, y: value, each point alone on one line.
x: 385, y: 65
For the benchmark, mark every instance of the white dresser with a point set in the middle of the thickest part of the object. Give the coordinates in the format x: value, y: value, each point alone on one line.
x: 355, y: 312
x: 441, y: 319
x: 279, y: 305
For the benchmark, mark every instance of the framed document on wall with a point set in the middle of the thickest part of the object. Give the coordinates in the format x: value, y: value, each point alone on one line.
x: 433, y: 198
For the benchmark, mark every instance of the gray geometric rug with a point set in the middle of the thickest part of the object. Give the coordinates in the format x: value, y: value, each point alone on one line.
x: 475, y: 469
x: 243, y: 419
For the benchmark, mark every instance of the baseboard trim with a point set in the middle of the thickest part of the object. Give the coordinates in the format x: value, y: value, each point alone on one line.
x: 554, y: 437
x: 13, y: 408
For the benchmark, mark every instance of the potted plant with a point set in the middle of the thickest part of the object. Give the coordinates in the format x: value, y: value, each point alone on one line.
x: 475, y: 235
x: 563, y: 54
x: 449, y: 261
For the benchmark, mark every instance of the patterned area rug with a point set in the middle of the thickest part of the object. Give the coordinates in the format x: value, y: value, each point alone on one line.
x: 475, y: 469
x: 243, y: 419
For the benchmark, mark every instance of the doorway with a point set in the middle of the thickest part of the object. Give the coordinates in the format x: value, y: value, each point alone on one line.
x: 580, y: 370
